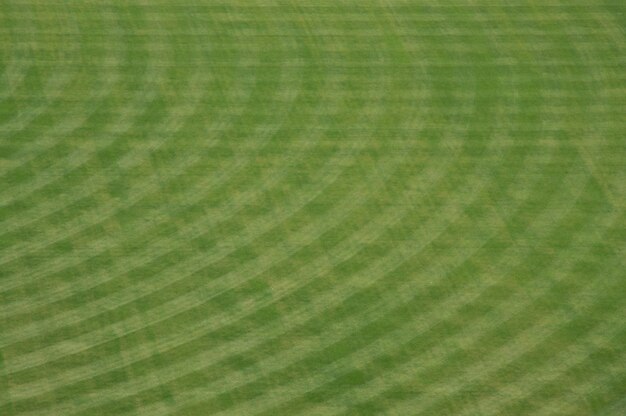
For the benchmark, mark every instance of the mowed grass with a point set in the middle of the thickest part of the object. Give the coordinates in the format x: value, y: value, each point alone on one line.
x: 319, y: 208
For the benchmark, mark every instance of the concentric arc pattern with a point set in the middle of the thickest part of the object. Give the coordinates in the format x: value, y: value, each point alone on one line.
x: 274, y: 207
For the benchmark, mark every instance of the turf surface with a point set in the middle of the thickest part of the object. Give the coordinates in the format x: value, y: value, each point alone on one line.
x: 220, y: 207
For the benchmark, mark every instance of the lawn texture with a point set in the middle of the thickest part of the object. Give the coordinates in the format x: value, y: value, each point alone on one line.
x: 229, y: 207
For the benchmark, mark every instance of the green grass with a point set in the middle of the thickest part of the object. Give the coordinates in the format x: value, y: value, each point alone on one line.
x: 262, y: 207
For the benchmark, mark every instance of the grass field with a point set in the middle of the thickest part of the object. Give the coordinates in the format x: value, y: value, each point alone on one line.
x: 333, y: 207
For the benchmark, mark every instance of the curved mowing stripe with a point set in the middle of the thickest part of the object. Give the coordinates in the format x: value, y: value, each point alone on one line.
x: 276, y: 253
x: 196, y: 224
x: 61, y: 129
x: 399, y: 295
x: 207, y: 184
x: 393, y: 216
x: 403, y: 333
x: 278, y: 207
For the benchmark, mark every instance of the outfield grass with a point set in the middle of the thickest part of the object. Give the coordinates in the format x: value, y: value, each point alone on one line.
x: 229, y: 207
